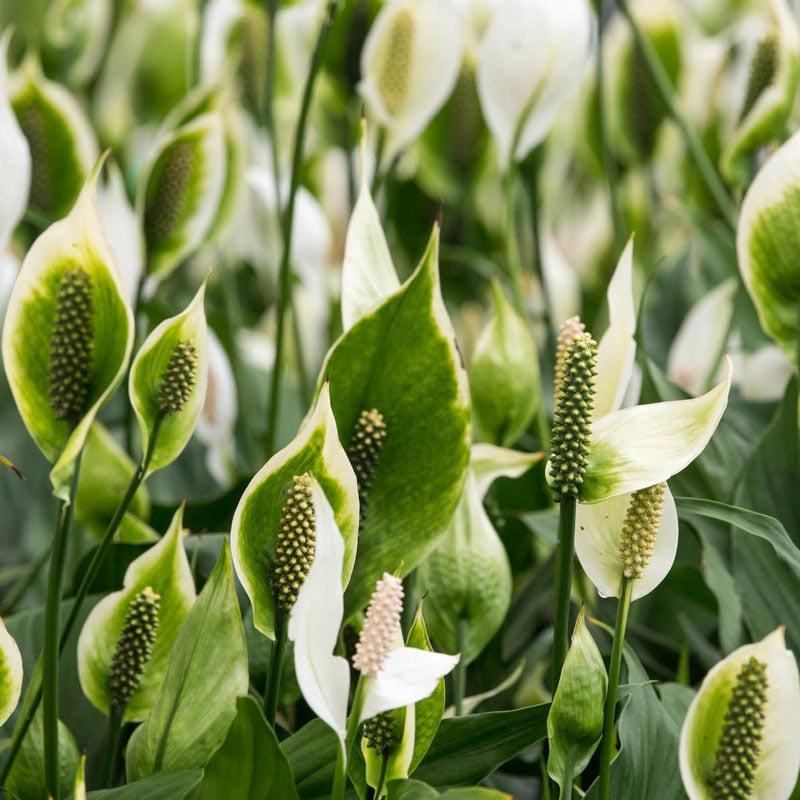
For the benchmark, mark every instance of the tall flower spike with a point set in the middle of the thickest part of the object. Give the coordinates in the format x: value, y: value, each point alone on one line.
x: 71, y: 345
x: 572, y: 418
x: 134, y: 647
x: 382, y: 621
x: 365, y: 452
x: 179, y: 378
x: 294, y: 550
x: 640, y: 529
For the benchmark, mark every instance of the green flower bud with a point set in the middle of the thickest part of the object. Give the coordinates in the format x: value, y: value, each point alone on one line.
x: 575, y: 721
x: 365, y: 452
x: 71, y: 345
x: 574, y: 396
x: 179, y: 378
x: 640, y: 529
x: 294, y: 550
x: 134, y: 647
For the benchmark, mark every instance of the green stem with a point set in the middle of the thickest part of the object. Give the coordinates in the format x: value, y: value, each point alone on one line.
x: 276, y: 668
x: 353, y: 724
x: 569, y: 769
x: 287, y: 219
x: 608, y: 742
x: 112, y: 745
x: 50, y: 653
x: 377, y: 176
x: 382, y: 776
x: 35, y: 689
x: 269, y: 95
x: 531, y: 168
x: 511, y: 248
x: 22, y: 585
x: 565, y: 550
x: 460, y: 672
x: 658, y: 73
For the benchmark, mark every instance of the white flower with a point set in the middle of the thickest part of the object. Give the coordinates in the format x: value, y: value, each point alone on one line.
x: 531, y: 61
x: 752, y: 696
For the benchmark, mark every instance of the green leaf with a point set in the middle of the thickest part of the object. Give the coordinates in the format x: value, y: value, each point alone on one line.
x: 250, y: 764
x: 166, y: 785
x: 402, y: 360
x: 504, y: 375
x: 168, y: 382
x: 63, y: 145
x: 207, y: 671
x: 315, y: 449
x: 75, y: 244
x: 311, y: 753
x: 180, y: 191
x: 165, y: 569
x: 415, y: 790
x: 10, y: 673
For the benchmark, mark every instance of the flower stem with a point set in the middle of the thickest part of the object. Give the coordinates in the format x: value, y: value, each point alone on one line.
x: 112, y: 745
x: 460, y: 672
x: 50, y: 653
x: 287, y: 218
x: 35, y: 687
x: 565, y: 550
x: 511, y: 248
x: 353, y: 724
x: 608, y: 742
x: 569, y: 768
x: 382, y: 776
x: 695, y: 147
x: 276, y: 668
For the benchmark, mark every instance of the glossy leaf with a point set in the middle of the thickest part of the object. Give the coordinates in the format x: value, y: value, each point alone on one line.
x: 401, y: 360
x: 76, y: 242
x: 184, y: 335
x: 166, y: 785
x: 165, y: 569
x: 315, y: 449
x: 207, y: 671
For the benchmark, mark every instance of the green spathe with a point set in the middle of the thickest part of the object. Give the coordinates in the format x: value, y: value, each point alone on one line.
x: 316, y: 449
x: 575, y: 721
x: 10, y: 674
x: 164, y: 568
x: 150, y: 368
x: 401, y: 359
x: 77, y: 241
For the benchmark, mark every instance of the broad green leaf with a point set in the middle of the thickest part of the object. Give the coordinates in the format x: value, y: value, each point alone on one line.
x: 767, y: 239
x: 637, y: 447
x: 106, y: 471
x: 166, y: 785
x: 15, y: 154
x: 207, y: 671
x: 368, y: 274
x: 778, y: 758
x: 414, y: 790
x: 315, y: 449
x: 311, y: 753
x: 168, y: 380
x: 575, y: 721
x: 10, y: 673
x: 467, y: 579
x: 180, y: 191
x: 504, y: 379
x: 26, y: 779
x: 73, y: 246
x: 766, y: 108
x: 402, y: 361
x: 62, y: 144
x: 250, y: 764
x: 165, y: 569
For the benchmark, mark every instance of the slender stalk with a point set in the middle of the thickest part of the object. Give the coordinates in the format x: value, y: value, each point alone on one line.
x: 23, y: 583
x: 460, y: 672
x: 35, y: 689
x: 511, y: 247
x: 707, y: 169
x: 377, y: 176
x: 569, y: 769
x: 608, y: 742
x: 276, y: 668
x: 287, y: 219
x: 382, y: 776
x: 353, y: 724
x: 112, y: 745
x: 50, y: 653
x: 565, y: 550
x: 269, y: 96
x: 531, y: 168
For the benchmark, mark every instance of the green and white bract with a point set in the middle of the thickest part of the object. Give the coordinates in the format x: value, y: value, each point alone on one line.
x: 10, y: 674
x: 767, y: 759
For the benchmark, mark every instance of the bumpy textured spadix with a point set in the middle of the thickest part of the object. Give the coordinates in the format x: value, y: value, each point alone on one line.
x: 134, y: 647
x: 179, y: 378
x: 762, y: 71
x: 71, y: 345
x: 395, y: 75
x: 382, y: 732
x: 294, y: 550
x: 382, y: 621
x: 640, y: 530
x: 739, y: 746
x: 573, y: 413
x: 365, y: 452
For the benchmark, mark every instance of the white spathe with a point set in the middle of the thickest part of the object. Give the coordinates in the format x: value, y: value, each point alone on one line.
x: 531, y: 62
